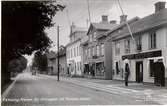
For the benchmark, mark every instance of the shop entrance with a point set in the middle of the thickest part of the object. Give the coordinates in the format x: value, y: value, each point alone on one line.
x: 139, y: 71
x: 159, y: 70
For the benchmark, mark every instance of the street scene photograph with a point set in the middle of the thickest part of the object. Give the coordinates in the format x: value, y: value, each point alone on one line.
x: 83, y: 52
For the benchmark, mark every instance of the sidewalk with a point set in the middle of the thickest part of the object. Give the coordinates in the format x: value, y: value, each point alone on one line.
x: 119, y: 83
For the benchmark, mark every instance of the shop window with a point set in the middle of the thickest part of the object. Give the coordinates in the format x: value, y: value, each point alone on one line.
x: 152, y: 68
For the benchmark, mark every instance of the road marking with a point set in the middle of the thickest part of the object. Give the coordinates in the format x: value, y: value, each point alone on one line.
x: 5, y: 93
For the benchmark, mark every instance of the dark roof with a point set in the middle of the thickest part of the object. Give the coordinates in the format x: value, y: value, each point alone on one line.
x: 122, y: 25
x: 77, y: 29
x: 73, y: 42
x: 152, y: 21
x: 101, y: 26
x: 51, y: 55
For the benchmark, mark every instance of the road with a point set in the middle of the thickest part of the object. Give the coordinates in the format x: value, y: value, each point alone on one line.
x: 38, y: 90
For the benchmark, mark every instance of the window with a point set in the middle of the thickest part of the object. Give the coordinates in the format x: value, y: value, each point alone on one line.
x: 86, y: 53
x: 94, y: 51
x: 152, y: 68
x: 71, y: 53
x: 89, y: 52
x: 67, y: 53
x: 138, y: 43
x: 98, y: 50
x: 102, y: 49
x: 152, y: 40
x: 90, y: 37
x: 117, y: 48
x: 77, y: 51
x: 127, y: 46
x: 94, y: 35
x: 74, y: 51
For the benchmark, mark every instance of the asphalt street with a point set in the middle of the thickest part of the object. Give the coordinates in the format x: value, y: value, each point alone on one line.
x: 30, y: 90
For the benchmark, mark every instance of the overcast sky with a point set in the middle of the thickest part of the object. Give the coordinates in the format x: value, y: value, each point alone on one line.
x: 77, y: 11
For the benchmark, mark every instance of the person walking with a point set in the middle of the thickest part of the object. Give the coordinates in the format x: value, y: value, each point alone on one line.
x: 127, y: 72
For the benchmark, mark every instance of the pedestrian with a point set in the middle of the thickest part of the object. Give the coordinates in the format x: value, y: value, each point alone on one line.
x: 127, y: 72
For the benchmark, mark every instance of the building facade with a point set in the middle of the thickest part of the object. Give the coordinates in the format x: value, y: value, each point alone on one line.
x: 73, y: 51
x: 94, y: 60
x: 62, y: 61
x: 146, y: 54
x: 51, y: 59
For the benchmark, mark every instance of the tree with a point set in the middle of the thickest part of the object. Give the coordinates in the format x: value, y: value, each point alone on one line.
x: 23, y: 25
x: 17, y: 64
x: 40, y: 61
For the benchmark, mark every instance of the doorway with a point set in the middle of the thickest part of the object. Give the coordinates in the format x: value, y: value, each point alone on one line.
x: 139, y: 71
x: 159, y: 78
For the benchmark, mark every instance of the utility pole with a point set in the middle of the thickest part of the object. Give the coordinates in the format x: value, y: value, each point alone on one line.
x: 58, y: 53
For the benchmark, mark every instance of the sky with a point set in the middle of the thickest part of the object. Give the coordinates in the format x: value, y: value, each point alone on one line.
x: 76, y: 11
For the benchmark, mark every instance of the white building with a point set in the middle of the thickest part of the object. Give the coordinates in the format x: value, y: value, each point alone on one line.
x: 73, y: 51
x: 150, y: 45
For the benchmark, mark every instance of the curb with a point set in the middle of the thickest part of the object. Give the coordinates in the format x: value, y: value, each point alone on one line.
x: 5, y: 93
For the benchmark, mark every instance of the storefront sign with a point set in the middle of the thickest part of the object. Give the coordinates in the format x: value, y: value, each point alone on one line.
x: 143, y: 55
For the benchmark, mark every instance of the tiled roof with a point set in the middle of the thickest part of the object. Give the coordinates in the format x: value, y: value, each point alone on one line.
x: 117, y: 27
x: 103, y: 26
x: 155, y: 20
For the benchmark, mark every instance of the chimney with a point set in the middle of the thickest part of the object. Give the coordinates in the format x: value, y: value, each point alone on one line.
x: 159, y: 6
x: 123, y: 18
x: 104, y: 19
x: 113, y: 22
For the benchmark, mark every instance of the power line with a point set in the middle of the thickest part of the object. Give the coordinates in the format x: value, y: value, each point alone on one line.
x: 129, y: 29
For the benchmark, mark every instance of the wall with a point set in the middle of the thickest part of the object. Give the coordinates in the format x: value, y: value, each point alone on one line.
x: 74, y: 58
x: 108, y: 60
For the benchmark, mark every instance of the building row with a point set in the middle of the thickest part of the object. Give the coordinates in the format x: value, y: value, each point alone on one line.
x: 103, y: 50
